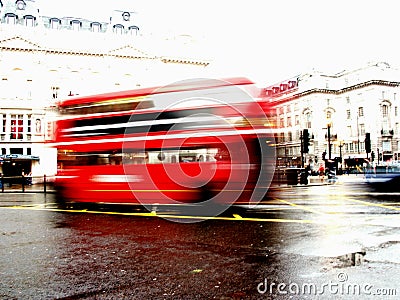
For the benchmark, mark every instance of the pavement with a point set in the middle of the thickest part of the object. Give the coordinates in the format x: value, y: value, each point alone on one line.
x: 312, y: 181
x: 317, y: 180
x: 32, y: 188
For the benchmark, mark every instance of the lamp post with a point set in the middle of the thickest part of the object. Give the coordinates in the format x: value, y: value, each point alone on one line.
x: 358, y: 134
x: 329, y: 141
x: 340, y: 154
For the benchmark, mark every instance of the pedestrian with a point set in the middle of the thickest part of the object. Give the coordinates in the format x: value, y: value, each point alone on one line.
x: 321, y: 172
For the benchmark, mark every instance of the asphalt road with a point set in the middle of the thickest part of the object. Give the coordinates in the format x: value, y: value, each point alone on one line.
x: 337, y: 241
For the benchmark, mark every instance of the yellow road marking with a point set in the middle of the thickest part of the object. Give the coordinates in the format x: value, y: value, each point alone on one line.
x: 235, y: 217
x: 374, y: 204
x: 301, y: 207
x: 161, y: 215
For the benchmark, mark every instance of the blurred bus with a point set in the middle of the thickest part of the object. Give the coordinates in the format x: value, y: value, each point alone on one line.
x: 188, y: 142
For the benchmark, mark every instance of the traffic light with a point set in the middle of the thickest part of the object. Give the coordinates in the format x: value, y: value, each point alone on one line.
x: 323, y: 155
x: 306, y: 141
x: 372, y: 156
x: 368, y: 142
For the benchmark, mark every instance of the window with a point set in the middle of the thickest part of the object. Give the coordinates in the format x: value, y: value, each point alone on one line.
x: 308, y: 120
x: 55, y: 23
x: 10, y: 18
x: 20, y: 4
x: 29, y: 124
x: 282, y: 123
x: 289, y: 122
x: 3, y: 122
x: 17, y: 127
x: 195, y: 155
x: 16, y: 151
x: 76, y: 25
x: 126, y: 16
x: 118, y: 28
x: 3, y: 127
x: 95, y: 26
x: 385, y: 110
x: 361, y: 111
x: 29, y: 21
x: 362, y: 129
x: 362, y: 146
x: 133, y: 30
x: 54, y: 90
x: 349, y: 132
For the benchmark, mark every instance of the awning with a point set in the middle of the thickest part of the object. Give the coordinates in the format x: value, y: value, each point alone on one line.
x: 18, y: 157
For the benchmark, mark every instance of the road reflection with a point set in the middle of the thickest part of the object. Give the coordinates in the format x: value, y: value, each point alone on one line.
x: 298, y: 234
x: 105, y: 254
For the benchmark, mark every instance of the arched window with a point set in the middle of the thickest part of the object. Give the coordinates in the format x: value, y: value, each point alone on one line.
x: 10, y: 18
x: 20, y: 4
x: 133, y: 30
x: 55, y: 23
x: 118, y: 28
x: 385, y: 110
x: 76, y: 25
x: 29, y: 20
x: 126, y: 16
x: 95, y: 26
x: 307, y: 119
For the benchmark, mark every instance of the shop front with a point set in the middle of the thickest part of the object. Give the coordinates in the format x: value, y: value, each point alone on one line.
x: 13, y: 166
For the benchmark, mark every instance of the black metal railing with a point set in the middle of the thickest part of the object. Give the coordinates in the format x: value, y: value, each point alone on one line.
x: 25, y: 183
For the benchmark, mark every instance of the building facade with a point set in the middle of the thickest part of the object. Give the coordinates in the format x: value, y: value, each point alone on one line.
x: 44, y: 59
x: 347, y: 105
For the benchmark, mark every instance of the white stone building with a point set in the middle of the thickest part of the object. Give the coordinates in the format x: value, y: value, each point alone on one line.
x: 44, y: 59
x: 352, y: 103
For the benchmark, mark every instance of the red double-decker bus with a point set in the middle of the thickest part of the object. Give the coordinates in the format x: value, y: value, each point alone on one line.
x: 198, y: 141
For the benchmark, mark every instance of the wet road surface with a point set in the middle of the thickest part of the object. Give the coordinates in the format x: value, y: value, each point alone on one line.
x: 316, y: 242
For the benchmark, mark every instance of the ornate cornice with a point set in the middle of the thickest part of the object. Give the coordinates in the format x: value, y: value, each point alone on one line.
x: 184, y: 61
x: 121, y: 52
x: 335, y: 92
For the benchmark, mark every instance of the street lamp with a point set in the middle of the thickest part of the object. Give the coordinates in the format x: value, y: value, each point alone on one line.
x: 358, y: 133
x: 329, y: 125
x: 340, y: 154
x: 340, y: 151
x: 329, y: 141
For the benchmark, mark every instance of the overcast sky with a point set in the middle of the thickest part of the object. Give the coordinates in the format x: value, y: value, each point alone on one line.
x: 268, y: 40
